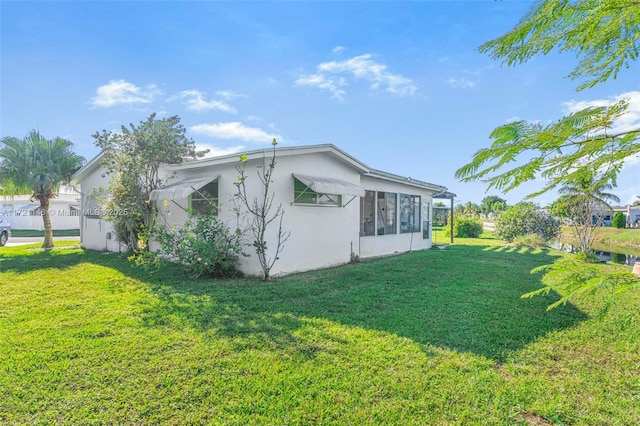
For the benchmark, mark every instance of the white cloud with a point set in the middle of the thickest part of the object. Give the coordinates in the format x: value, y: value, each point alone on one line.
x: 630, y: 120
x: 271, y: 83
x: 215, y: 151
x: 477, y: 72
x: 338, y: 49
x: 461, y: 83
x: 194, y: 100
x: 235, y: 130
x: 122, y: 92
x: 330, y: 77
x: 230, y: 94
x: 333, y: 85
x: 633, y: 160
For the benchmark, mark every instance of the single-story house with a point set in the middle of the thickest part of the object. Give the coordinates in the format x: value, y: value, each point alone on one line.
x: 335, y: 206
x: 24, y: 213
x: 631, y: 214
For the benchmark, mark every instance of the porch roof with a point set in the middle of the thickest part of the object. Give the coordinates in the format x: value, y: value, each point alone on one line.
x: 332, y: 186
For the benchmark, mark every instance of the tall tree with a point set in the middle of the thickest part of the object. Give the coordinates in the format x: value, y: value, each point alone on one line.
x: 491, y: 204
x: 605, y: 35
x: 587, y: 202
x: 133, y: 158
x: 471, y: 209
x: 37, y: 166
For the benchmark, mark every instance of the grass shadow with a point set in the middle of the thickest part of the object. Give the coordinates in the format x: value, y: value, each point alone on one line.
x: 466, y: 298
x: 23, y: 259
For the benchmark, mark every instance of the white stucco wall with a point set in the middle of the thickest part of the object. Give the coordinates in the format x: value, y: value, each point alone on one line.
x: 94, y: 232
x: 320, y: 236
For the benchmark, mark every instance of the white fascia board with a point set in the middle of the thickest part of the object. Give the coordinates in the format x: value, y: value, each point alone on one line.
x: 87, y: 169
x: 280, y: 152
x: 406, y: 181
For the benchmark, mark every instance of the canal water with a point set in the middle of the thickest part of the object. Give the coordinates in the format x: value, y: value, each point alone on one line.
x: 604, y: 255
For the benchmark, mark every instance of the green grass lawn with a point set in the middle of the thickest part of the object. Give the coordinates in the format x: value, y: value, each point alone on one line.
x: 626, y: 240
x: 620, y: 237
x: 431, y: 337
x: 36, y: 233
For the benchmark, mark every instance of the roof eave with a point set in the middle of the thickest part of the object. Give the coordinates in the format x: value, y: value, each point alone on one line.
x: 378, y: 174
x: 282, y: 152
x: 87, y: 169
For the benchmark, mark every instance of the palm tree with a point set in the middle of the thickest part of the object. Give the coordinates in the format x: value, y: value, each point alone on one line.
x: 587, y: 198
x: 36, y: 166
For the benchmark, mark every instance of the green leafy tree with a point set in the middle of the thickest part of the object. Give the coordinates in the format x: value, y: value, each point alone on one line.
x: 471, y: 209
x: 492, y: 204
x: 560, y: 208
x: 576, y: 280
x: 37, y: 166
x: 619, y: 220
x: 133, y: 158
x: 605, y: 35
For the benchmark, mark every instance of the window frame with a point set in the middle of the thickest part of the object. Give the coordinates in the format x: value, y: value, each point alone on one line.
x: 387, y: 199
x: 368, y: 229
x: 414, y: 213
x: 214, y: 200
x: 307, y: 191
x: 426, y: 220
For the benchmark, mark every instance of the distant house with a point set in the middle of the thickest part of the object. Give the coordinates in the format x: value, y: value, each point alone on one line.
x: 23, y: 213
x: 631, y: 214
x: 335, y: 205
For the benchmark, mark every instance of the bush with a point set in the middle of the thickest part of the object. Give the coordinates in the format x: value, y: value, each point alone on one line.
x: 465, y: 227
x: 529, y: 240
x: 619, y: 258
x: 526, y: 218
x: 619, y: 221
x: 204, y: 246
x: 588, y: 257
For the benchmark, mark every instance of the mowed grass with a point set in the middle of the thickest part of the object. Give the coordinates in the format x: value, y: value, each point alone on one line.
x: 620, y: 235
x: 430, y: 337
x: 608, y: 236
x: 36, y: 233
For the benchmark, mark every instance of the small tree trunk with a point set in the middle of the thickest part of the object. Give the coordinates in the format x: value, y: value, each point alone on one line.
x: 48, y: 231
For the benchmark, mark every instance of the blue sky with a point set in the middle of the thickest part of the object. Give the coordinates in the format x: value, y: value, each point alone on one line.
x: 398, y: 85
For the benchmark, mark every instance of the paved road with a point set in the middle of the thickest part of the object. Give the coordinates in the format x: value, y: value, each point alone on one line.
x: 18, y: 241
